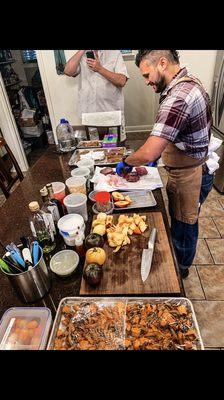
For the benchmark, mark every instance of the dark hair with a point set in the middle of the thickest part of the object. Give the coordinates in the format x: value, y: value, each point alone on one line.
x: 154, y: 55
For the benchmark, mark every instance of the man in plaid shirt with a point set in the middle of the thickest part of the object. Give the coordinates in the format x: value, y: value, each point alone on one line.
x: 181, y: 135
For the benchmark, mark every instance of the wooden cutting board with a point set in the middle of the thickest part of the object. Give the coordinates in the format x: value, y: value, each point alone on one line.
x: 122, y: 270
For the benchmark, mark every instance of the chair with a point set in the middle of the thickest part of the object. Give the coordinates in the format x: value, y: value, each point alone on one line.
x: 6, y: 179
x: 102, y: 121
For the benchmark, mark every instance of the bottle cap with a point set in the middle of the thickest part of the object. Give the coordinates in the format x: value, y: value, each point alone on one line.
x: 34, y: 206
x: 63, y: 121
x: 102, y: 197
x: 44, y: 191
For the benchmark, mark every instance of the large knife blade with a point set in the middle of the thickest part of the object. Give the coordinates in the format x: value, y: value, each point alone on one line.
x: 147, y: 256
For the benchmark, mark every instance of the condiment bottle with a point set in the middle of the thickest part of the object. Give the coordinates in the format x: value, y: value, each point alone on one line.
x: 41, y: 228
x: 80, y: 247
x: 60, y: 211
x: 49, y: 209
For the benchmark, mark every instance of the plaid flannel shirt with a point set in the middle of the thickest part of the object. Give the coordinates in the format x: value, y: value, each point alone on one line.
x: 184, y: 116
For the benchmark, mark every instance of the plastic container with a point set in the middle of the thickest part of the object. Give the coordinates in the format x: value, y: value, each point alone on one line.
x: 64, y: 262
x: 92, y: 195
x: 59, y: 190
x: 106, y: 212
x: 87, y: 164
x: 76, y: 185
x: 76, y: 204
x: 103, y: 203
x: 80, y: 173
x: 70, y: 226
x: 25, y: 328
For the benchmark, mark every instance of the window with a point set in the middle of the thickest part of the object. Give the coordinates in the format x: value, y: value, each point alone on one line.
x: 29, y: 55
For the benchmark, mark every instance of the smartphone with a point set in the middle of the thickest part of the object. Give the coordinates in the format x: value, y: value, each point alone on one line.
x: 90, y: 54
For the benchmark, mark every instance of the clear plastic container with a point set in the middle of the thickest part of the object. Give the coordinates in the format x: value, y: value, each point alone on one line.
x: 110, y: 211
x: 76, y: 185
x: 87, y: 164
x: 76, y: 203
x: 59, y: 190
x: 25, y: 328
x: 70, y: 226
x: 64, y: 262
x: 80, y: 172
x: 103, y: 203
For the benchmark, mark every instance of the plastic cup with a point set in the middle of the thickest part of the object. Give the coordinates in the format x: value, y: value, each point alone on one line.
x: 76, y: 203
x: 87, y: 164
x: 59, y: 190
x: 70, y: 226
x: 64, y: 262
x: 76, y: 185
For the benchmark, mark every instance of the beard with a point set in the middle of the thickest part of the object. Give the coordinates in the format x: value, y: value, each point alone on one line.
x: 160, y: 83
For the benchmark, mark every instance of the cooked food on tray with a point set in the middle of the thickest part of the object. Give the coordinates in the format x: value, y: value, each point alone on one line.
x: 107, y: 156
x: 130, y: 325
x: 141, y: 171
x: 90, y: 143
x: 121, y: 200
x: 162, y: 326
x: 91, y: 326
x: 132, y: 177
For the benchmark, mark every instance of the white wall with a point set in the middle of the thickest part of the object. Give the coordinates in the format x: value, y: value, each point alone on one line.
x: 140, y: 102
x: 200, y: 63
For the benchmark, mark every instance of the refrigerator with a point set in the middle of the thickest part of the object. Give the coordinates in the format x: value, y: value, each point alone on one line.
x: 217, y: 129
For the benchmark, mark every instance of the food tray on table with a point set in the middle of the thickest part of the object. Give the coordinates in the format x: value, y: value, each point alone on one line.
x: 125, y: 323
x: 140, y: 199
x: 85, y: 144
x: 107, y: 156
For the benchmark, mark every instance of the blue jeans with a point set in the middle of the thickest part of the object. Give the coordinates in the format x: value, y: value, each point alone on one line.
x: 185, y: 236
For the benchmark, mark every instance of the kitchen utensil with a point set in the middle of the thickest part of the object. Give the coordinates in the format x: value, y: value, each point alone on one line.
x: 147, y: 256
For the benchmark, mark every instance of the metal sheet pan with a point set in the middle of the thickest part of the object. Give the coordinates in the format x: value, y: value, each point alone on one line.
x: 106, y: 161
x: 140, y: 199
x: 111, y: 300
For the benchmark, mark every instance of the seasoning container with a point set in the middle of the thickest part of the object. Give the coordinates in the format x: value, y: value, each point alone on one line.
x: 103, y: 203
x: 25, y: 328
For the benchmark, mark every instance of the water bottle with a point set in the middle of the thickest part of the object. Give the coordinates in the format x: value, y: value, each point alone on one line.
x: 64, y: 135
x: 74, y: 140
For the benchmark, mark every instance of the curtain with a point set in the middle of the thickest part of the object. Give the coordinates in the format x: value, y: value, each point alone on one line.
x: 60, y: 61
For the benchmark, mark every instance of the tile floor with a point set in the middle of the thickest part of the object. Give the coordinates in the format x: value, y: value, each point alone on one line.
x: 205, y: 284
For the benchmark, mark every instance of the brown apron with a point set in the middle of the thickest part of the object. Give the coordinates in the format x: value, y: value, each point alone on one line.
x: 184, y: 179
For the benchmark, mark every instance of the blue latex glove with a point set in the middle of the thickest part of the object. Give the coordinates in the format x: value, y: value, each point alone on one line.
x: 152, y: 164
x: 123, y: 168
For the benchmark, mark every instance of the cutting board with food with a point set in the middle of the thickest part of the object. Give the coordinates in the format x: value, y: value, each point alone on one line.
x: 125, y: 236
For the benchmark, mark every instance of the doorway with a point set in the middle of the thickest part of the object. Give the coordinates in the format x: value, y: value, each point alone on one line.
x: 23, y: 85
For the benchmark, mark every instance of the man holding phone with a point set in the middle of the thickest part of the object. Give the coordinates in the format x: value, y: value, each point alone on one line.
x: 103, y: 74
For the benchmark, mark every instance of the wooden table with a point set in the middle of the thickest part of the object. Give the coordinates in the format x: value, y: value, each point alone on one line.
x: 15, y: 223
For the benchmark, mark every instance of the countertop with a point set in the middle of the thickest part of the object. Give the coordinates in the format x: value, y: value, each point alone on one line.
x: 15, y: 223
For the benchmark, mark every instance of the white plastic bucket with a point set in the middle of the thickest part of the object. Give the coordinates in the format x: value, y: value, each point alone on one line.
x: 76, y: 185
x: 87, y: 164
x: 70, y: 226
x: 76, y: 203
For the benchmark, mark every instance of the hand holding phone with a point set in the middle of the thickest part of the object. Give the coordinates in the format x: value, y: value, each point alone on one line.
x: 90, y: 54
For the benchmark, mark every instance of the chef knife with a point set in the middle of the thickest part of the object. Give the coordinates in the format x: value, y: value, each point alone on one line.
x: 147, y: 256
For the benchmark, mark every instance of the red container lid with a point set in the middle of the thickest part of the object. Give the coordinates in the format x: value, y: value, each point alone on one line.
x: 102, y: 197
